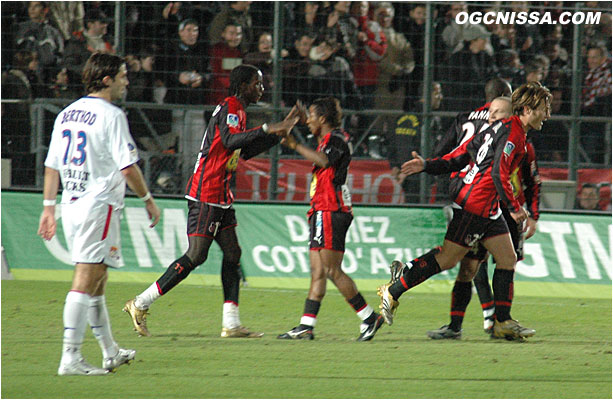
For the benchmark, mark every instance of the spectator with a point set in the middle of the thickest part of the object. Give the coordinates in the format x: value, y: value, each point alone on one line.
x: 370, y: 50
x: 67, y: 17
x: 296, y: 69
x: 262, y: 59
x: 39, y: 36
x: 237, y: 13
x: 340, y: 32
x: 307, y: 20
x: 588, y: 198
x: 331, y: 75
x: 529, y: 41
x: 84, y: 43
x: 453, y: 33
x: 596, y: 101
x: 396, y: 65
x: 511, y: 68
x: 67, y: 85
x: 545, y: 64
x: 184, y: 69
x: 551, y: 143
x: 559, y: 72
x: 184, y: 66
x: 173, y: 14
x: 414, y: 31
x: 225, y: 55
x: 534, y: 71
x: 406, y: 138
x: 22, y: 83
x: 470, y: 68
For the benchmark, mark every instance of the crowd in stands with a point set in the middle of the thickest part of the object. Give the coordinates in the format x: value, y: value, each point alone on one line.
x: 370, y: 55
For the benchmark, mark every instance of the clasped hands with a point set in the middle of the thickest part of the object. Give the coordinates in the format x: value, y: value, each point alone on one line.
x: 298, y: 113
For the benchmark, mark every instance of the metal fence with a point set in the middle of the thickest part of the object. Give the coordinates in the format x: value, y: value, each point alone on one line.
x: 168, y: 132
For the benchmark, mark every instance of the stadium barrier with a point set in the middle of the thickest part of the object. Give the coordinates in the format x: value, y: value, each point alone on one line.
x: 569, y: 249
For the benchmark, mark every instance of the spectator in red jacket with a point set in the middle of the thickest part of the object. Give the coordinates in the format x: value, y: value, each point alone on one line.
x: 225, y: 55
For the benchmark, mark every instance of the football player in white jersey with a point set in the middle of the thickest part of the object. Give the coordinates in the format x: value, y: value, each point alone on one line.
x: 94, y: 155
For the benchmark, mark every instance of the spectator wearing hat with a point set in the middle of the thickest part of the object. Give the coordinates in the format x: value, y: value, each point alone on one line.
x: 84, y: 43
x: 469, y: 69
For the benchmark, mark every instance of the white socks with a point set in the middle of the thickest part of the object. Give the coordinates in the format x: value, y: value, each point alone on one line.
x: 230, y: 316
x: 75, y: 322
x: 98, y: 318
x: 146, y: 298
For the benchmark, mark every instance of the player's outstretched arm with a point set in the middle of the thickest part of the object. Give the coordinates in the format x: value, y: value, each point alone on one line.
x: 282, y: 128
x: 136, y: 182
x: 414, y: 166
x: 47, y: 224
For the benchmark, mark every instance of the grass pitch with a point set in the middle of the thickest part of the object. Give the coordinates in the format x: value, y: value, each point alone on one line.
x: 570, y: 357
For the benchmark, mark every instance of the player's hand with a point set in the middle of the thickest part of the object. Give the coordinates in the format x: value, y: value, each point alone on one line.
x: 282, y: 128
x: 289, y: 141
x: 530, y: 228
x: 47, y: 224
x: 414, y: 166
x: 153, y: 212
x: 520, y: 217
x: 300, y: 111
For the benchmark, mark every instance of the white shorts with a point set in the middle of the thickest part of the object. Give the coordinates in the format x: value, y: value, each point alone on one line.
x: 92, y: 231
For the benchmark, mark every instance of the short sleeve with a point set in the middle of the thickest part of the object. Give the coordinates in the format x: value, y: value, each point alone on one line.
x: 335, y: 149
x: 121, y: 145
x: 53, y: 159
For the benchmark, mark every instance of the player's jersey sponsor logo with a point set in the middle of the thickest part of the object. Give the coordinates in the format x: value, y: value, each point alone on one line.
x: 232, y: 120
x: 233, y: 161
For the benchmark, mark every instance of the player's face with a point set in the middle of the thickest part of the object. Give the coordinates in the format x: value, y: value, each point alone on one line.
x: 538, y: 116
x: 499, y: 109
x: 119, y: 83
x: 314, y: 121
x: 255, y: 89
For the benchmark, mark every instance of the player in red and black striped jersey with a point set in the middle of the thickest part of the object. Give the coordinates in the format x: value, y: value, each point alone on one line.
x: 329, y: 218
x: 493, y: 155
x: 467, y: 124
x: 476, y: 259
x: 210, y: 215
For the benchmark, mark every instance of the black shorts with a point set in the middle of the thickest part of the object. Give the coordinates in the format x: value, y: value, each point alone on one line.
x: 328, y: 230
x: 206, y: 220
x: 468, y: 230
x: 479, y: 252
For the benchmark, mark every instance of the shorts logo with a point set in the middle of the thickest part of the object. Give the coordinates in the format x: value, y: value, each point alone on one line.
x: 114, y: 253
x: 508, y: 148
x: 232, y: 120
x: 472, y: 239
x: 214, y: 227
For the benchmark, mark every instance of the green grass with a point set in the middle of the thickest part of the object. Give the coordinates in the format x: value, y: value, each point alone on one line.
x: 570, y: 357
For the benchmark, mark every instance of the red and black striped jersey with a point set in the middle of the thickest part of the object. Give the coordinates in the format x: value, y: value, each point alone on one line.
x: 224, y: 140
x: 526, y: 182
x: 464, y: 126
x: 494, y: 154
x: 329, y: 191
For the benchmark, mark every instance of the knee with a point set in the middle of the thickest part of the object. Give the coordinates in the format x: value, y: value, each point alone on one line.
x: 468, y: 270
x: 196, y: 258
x: 233, y: 256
